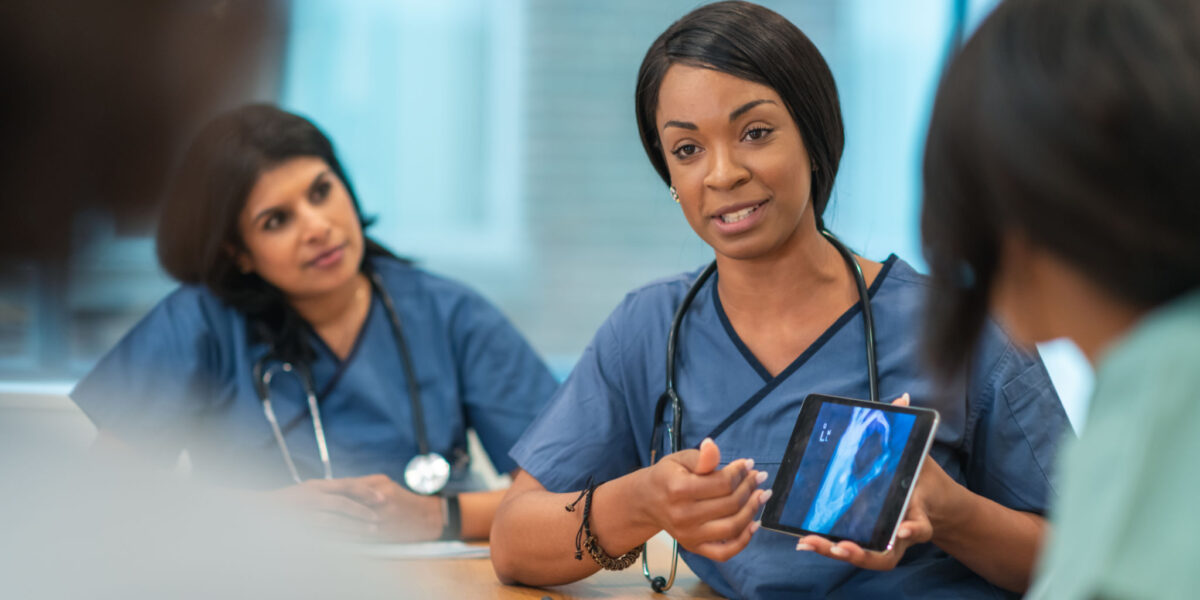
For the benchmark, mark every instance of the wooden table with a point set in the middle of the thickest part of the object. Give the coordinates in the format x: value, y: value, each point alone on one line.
x: 474, y: 578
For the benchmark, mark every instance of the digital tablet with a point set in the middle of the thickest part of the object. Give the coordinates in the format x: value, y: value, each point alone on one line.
x: 849, y: 470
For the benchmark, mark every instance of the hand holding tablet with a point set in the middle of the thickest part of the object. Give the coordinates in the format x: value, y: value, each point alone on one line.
x: 849, y: 476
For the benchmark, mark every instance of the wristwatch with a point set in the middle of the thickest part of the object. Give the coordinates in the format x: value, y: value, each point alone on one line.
x: 451, y: 518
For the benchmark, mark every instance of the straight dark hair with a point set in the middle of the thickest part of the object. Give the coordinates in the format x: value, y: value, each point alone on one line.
x: 754, y: 43
x: 1075, y: 124
x: 198, y: 234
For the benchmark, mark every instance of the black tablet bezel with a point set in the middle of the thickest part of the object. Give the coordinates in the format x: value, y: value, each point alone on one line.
x: 900, y: 492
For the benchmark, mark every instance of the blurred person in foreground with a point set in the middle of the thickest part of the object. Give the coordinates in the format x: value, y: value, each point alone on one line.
x: 98, y: 99
x: 1062, y: 179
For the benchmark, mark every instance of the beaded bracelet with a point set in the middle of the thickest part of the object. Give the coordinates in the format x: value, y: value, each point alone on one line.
x: 584, y: 537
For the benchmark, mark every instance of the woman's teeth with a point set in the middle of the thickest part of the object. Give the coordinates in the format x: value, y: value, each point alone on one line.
x: 734, y: 217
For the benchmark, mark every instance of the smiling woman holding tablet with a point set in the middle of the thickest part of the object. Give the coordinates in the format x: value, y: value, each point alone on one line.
x: 738, y: 114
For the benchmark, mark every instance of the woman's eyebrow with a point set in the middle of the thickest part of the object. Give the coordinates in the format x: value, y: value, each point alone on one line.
x: 318, y: 179
x: 311, y: 186
x: 264, y: 213
x: 741, y: 110
x: 681, y: 124
x: 737, y: 112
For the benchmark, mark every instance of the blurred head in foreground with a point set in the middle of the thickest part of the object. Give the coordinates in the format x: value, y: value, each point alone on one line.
x: 1063, y: 155
x: 100, y: 96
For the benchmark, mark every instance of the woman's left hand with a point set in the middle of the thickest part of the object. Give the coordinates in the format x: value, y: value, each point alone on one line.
x: 916, y: 528
x: 403, y: 515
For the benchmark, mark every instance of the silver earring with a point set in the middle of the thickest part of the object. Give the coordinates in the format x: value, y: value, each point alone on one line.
x: 674, y: 195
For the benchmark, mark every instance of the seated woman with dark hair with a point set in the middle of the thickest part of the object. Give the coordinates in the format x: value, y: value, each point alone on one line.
x: 302, y: 356
x: 1062, y: 180
x: 738, y: 113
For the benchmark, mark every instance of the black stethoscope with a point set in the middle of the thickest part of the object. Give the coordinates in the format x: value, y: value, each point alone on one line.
x: 427, y: 473
x: 659, y: 584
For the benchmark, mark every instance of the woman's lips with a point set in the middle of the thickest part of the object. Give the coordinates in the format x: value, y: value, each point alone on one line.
x: 741, y: 219
x: 328, y: 258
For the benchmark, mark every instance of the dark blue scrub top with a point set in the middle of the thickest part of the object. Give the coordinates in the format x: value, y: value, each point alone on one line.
x: 998, y: 436
x: 181, y: 379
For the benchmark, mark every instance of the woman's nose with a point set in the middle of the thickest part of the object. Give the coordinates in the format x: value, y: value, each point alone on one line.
x: 317, y: 225
x: 725, y: 171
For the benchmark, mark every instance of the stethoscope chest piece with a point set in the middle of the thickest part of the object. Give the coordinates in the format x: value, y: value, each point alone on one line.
x: 427, y: 474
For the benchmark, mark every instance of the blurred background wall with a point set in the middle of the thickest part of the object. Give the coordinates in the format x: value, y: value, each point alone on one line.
x: 495, y: 141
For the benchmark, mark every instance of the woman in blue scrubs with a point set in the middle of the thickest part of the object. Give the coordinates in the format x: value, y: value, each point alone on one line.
x: 738, y: 113
x: 266, y: 235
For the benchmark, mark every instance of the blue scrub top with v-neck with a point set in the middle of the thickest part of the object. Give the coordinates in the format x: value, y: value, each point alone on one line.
x: 181, y: 379
x: 999, y: 432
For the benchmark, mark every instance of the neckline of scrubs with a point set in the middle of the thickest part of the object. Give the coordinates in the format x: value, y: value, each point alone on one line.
x: 773, y: 382
x: 319, y: 346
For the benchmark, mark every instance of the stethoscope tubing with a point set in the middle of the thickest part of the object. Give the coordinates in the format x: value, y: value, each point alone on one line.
x: 410, y: 372
x: 864, y: 297
x: 263, y: 375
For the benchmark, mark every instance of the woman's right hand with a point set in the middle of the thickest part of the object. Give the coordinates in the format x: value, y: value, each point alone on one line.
x: 709, y: 511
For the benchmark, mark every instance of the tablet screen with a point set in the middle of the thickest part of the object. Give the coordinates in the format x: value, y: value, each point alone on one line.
x: 848, y: 470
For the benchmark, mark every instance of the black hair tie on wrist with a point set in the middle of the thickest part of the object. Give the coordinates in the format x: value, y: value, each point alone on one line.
x: 588, y: 489
x: 585, y: 539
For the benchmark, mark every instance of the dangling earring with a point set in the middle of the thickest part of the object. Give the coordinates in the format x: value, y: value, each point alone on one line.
x: 674, y: 195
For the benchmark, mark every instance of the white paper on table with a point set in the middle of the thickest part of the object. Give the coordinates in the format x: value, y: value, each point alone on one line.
x: 421, y: 550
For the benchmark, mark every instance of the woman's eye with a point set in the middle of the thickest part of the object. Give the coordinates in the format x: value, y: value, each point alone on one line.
x: 758, y: 133
x: 275, y: 221
x: 320, y: 190
x: 685, y: 151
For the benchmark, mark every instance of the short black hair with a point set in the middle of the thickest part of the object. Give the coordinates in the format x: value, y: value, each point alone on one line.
x: 756, y: 44
x: 1074, y: 123
x: 198, y: 224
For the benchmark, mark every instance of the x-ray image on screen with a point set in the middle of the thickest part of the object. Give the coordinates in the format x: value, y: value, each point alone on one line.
x: 846, y: 471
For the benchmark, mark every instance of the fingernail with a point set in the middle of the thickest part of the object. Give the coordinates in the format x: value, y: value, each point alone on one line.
x: 902, y: 534
x: 802, y: 547
x: 838, y: 551
x: 754, y: 527
x: 761, y: 477
x: 707, y: 440
x: 906, y: 397
x: 765, y: 496
x: 749, y: 463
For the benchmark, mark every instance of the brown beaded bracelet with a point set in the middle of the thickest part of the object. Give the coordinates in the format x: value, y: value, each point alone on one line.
x: 585, y: 538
